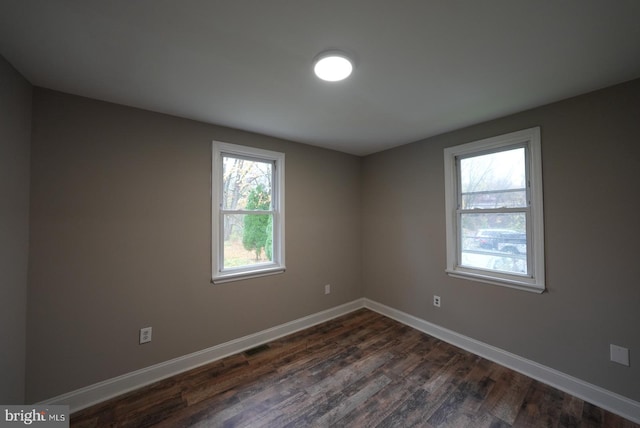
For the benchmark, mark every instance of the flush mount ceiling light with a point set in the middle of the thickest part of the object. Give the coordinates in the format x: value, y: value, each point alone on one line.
x: 332, y: 66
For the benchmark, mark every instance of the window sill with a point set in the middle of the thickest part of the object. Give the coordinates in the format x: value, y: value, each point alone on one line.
x: 487, y: 279
x: 238, y: 276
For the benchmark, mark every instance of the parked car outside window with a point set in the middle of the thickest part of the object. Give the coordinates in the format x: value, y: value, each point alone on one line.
x: 504, y: 240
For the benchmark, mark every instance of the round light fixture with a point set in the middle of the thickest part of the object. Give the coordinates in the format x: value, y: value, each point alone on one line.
x: 332, y: 66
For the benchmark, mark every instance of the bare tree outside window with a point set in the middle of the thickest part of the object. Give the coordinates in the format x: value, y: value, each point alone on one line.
x: 493, y: 203
x: 246, y: 199
x: 247, y: 212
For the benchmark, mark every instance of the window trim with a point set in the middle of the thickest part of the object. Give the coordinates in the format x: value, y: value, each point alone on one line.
x: 277, y: 265
x: 530, y: 139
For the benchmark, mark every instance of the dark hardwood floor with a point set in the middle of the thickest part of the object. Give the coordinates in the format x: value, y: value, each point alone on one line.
x: 359, y: 370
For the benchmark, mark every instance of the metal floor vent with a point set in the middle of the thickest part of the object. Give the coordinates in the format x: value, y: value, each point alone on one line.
x: 253, y: 351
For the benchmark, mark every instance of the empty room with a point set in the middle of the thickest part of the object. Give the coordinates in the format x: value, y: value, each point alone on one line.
x: 350, y: 213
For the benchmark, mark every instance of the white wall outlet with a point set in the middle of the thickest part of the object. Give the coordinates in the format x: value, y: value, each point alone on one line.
x: 327, y: 289
x: 436, y: 301
x: 145, y: 335
x: 619, y: 355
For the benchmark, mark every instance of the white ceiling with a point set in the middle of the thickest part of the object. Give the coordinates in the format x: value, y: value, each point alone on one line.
x: 423, y: 67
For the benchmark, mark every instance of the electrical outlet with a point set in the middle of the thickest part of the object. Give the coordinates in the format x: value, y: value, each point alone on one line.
x: 619, y: 355
x: 436, y: 301
x: 145, y: 335
x: 327, y: 289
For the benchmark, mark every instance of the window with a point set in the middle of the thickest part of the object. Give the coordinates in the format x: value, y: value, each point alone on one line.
x: 247, y: 212
x: 494, y: 217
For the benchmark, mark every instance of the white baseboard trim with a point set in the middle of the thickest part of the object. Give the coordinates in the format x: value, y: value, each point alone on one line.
x: 99, y: 392
x: 102, y: 391
x: 615, y: 403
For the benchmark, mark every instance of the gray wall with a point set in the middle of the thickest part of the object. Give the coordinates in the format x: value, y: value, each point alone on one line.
x: 15, y: 136
x: 591, y: 164
x: 120, y: 239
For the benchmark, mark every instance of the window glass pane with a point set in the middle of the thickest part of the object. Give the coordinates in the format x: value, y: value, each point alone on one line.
x: 494, y: 180
x: 246, y: 183
x: 248, y: 240
x: 494, y: 242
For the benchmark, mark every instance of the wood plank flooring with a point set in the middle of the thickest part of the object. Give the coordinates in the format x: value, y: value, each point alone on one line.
x: 359, y: 370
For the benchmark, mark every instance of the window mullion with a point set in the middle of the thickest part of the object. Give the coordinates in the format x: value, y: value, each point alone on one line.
x: 230, y: 212
x: 493, y: 210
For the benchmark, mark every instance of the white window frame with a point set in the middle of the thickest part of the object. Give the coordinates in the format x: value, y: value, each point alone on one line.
x: 277, y: 264
x: 534, y: 281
